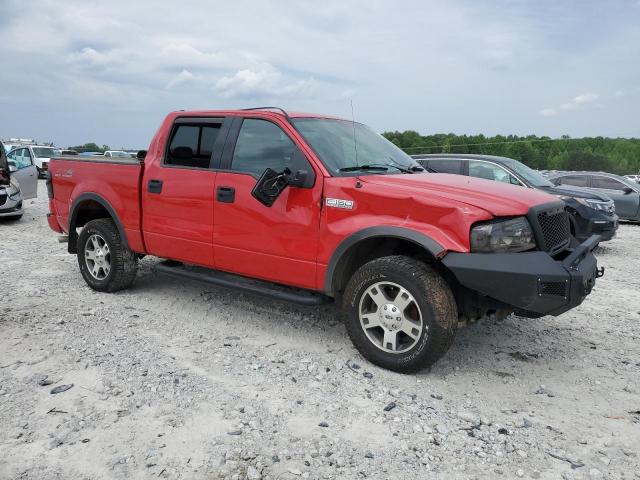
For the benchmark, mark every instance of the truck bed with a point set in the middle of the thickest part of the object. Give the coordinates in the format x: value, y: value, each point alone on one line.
x: 80, y: 179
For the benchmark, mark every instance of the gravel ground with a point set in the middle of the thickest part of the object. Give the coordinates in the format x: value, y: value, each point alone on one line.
x: 174, y: 379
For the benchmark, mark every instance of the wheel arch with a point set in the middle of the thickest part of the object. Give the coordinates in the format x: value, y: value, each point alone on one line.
x: 369, y: 243
x: 91, y: 206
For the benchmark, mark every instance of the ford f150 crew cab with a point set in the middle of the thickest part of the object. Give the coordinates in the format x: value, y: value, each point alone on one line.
x: 306, y: 208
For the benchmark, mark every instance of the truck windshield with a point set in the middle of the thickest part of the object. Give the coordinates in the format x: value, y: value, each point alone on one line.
x: 344, y: 145
x: 532, y: 177
x: 44, y: 152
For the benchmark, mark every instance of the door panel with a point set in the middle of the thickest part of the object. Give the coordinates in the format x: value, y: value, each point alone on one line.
x: 277, y: 243
x: 27, y: 173
x: 178, y: 193
x: 28, y: 179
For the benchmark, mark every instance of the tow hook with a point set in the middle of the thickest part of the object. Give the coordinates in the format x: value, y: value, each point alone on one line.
x: 599, y: 272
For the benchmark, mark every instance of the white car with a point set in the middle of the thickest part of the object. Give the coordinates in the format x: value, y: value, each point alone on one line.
x: 38, y: 155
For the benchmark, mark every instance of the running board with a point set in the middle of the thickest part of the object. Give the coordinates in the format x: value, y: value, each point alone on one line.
x: 250, y: 285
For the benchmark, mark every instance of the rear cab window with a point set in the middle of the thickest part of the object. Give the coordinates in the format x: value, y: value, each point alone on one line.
x: 192, y: 142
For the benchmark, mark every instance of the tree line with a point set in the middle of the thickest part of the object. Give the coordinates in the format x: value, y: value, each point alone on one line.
x: 615, y: 155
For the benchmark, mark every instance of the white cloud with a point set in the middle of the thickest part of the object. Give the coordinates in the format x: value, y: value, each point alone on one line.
x: 267, y: 82
x: 585, y: 98
x: 576, y: 102
x: 84, y: 63
x: 548, y: 112
x: 185, y: 76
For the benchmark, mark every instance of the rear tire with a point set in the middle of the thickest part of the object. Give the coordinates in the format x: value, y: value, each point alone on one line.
x: 105, y: 263
x: 399, y: 313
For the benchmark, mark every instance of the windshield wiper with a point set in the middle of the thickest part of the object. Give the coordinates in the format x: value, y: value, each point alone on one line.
x: 382, y: 167
x: 355, y: 168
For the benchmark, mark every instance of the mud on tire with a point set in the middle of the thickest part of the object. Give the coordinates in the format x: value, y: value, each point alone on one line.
x: 425, y: 293
x: 123, y: 263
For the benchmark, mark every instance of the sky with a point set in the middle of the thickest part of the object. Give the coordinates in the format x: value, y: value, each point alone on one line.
x: 108, y: 72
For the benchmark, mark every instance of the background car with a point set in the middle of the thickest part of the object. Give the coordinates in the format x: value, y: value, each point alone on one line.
x: 39, y: 155
x: 11, y: 200
x: 117, y: 154
x: 590, y: 212
x: 624, y: 192
x: 635, y: 178
x: 24, y: 171
x: 68, y: 152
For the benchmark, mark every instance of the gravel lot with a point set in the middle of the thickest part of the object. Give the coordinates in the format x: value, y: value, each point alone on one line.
x: 174, y: 379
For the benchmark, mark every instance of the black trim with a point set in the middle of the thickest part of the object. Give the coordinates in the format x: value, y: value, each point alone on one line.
x: 73, y: 235
x: 230, y: 144
x: 154, y: 186
x: 250, y: 285
x: 429, y: 244
x: 522, y: 280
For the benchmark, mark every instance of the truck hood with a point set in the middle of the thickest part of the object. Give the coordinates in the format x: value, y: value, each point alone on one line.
x: 497, y: 198
x: 576, y: 192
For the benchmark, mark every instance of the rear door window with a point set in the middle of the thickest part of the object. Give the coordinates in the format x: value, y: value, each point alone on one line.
x: 192, y: 144
x: 446, y: 166
x: 575, y: 180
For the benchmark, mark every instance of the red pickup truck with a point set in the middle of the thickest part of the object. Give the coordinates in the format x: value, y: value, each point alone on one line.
x: 307, y: 208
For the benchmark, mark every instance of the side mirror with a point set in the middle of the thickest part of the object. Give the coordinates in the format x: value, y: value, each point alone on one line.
x: 299, y: 179
x: 141, y: 155
x: 270, y: 185
x: 12, y: 167
x: 627, y: 190
x: 304, y: 176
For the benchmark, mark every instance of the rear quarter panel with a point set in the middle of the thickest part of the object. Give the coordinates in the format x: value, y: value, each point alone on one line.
x: 115, y: 182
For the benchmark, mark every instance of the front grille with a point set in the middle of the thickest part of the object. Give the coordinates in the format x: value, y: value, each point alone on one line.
x: 553, y: 289
x: 555, y: 230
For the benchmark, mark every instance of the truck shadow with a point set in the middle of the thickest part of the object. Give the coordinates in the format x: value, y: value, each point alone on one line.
x: 487, y: 345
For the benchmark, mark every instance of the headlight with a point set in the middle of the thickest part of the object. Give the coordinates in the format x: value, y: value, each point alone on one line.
x: 603, y: 206
x: 13, y: 192
x: 514, y: 235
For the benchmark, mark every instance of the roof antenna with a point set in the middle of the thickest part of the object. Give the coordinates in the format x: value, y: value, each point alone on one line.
x: 353, y: 123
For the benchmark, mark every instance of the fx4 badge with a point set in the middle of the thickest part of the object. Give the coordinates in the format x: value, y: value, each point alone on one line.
x: 339, y: 203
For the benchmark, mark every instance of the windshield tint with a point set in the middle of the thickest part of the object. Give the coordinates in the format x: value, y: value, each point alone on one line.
x: 44, y: 152
x: 530, y: 176
x: 333, y: 141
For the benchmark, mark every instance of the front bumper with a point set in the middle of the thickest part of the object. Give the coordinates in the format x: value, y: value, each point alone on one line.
x: 11, y: 208
x: 532, y: 283
x: 588, y: 224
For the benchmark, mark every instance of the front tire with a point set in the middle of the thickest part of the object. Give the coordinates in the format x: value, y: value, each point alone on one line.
x: 105, y: 263
x: 399, y: 313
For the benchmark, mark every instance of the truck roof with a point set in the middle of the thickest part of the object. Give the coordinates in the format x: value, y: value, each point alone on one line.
x: 266, y: 110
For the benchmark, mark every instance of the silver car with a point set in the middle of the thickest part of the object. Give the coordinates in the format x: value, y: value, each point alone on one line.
x: 18, y: 182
